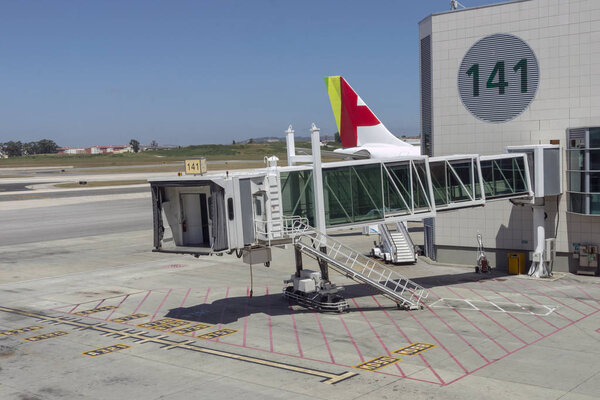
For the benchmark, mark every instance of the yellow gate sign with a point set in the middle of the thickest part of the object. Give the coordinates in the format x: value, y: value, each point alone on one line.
x: 195, y: 166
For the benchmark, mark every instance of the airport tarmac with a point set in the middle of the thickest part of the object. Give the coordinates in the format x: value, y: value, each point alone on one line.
x: 81, y: 293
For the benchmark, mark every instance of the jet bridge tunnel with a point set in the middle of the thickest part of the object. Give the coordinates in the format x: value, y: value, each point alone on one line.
x: 215, y: 213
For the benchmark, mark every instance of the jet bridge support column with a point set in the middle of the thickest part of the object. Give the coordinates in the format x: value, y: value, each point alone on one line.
x: 319, y: 195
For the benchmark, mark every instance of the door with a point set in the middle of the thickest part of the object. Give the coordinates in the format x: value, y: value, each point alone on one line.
x: 260, y: 215
x: 193, y: 225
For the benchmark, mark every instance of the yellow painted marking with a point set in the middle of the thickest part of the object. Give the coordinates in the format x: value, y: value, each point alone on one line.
x: 377, y: 363
x: 105, y: 350
x: 171, y: 325
x: 45, y: 336
x: 129, y: 318
x: 190, y: 329
x: 414, y: 349
x: 95, y: 310
x: 154, y: 324
x: 328, y: 378
x: 11, y: 332
x: 217, y: 334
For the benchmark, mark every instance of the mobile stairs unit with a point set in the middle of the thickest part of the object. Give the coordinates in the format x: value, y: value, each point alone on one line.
x: 364, y: 270
x: 395, y: 246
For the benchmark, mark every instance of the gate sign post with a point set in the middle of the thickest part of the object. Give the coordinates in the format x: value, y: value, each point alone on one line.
x: 498, y: 78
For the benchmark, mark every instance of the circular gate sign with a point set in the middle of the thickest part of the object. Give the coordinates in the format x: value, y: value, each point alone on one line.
x: 498, y: 78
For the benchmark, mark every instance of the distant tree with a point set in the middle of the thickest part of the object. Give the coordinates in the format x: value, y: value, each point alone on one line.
x: 13, y: 149
x: 46, y: 146
x: 135, y: 145
x: 29, y: 148
x: 337, y: 137
x: 233, y: 142
x: 250, y: 141
x: 154, y: 144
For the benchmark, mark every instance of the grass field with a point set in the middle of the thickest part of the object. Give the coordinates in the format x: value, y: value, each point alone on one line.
x: 249, y: 152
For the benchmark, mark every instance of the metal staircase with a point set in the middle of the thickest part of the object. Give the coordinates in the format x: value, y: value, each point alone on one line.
x: 274, y: 197
x: 364, y: 270
x: 398, y: 243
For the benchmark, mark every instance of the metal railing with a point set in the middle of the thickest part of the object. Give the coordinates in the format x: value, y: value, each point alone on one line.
x: 362, y: 269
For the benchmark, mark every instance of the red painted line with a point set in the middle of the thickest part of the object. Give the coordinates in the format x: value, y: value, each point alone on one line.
x: 206, y: 296
x: 522, y: 347
x: 269, y: 317
x: 142, y: 302
x: 161, y: 304
x: 494, y: 321
x: 570, y: 297
x: 223, y: 311
x: 203, y: 302
x: 246, y: 315
x: 588, y: 295
x: 538, y: 317
x: 296, y: 330
x: 324, y: 337
x: 438, y: 342
x: 535, y: 301
x: 362, y: 359
x: 99, y: 304
x: 408, y: 340
x: 73, y: 309
x: 509, y: 314
x: 460, y: 336
x: 185, y: 298
x: 115, y: 309
x: 555, y: 299
x: 377, y: 336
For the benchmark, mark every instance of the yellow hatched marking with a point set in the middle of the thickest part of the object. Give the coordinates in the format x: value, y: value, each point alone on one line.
x: 154, y: 324
x: 95, y: 310
x: 11, y: 332
x: 128, y: 318
x: 171, y: 325
x: 217, y: 334
x: 105, y: 350
x: 377, y: 363
x: 414, y: 349
x: 190, y: 329
x: 45, y: 336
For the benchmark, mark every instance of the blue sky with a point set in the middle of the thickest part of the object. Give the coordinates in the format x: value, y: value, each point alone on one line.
x: 192, y: 72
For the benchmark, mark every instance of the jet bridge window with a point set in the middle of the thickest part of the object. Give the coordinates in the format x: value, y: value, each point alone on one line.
x: 230, y: 208
x: 583, y: 160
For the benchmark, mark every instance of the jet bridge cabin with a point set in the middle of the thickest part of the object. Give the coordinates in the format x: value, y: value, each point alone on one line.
x: 209, y: 214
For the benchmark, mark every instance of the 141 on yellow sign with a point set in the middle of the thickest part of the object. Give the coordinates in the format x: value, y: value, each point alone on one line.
x: 195, y: 166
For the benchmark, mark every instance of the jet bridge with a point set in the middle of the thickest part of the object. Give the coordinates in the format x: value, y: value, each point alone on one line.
x: 248, y: 212
x: 215, y: 213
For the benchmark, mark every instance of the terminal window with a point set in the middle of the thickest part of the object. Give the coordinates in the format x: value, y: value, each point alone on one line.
x: 583, y: 157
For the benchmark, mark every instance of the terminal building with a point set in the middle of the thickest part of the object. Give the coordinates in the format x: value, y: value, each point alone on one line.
x: 512, y: 74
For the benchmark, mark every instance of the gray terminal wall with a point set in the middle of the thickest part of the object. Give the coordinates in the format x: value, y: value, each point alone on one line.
x: 565, y: 37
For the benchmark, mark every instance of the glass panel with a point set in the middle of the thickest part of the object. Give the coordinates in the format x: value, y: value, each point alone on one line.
x: 297, y: 194
x: 367, y: 201
x: 594, y: 182
x: 401, y: 177
x: 576, y: 182
x: 594, y: 159
x: 594, y: 137
x: 393, y: 192
x: 457, y: 191
x: 419, y: 188
x: 337, y: 186
x: 575, y: 159
x: 577, y: 203
x: 595, y: 204
x: 438, y: 181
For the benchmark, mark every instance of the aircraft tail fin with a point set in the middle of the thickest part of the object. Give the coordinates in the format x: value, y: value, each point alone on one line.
x: 356, y: 123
